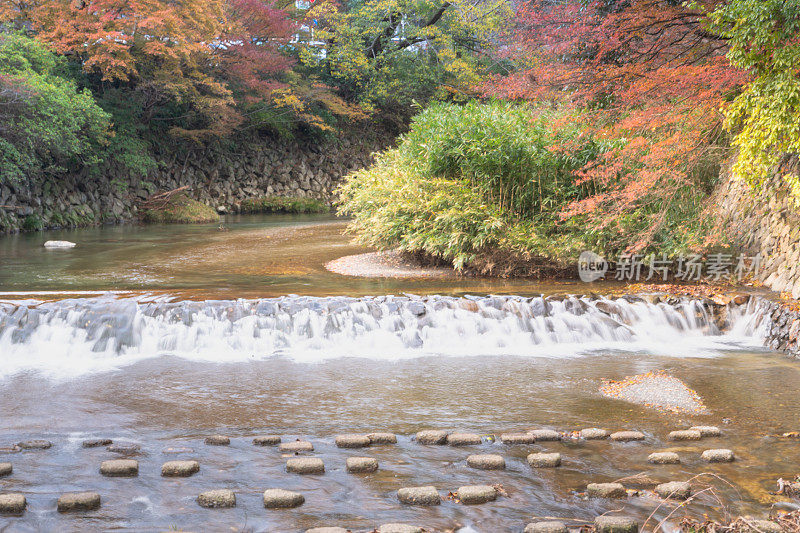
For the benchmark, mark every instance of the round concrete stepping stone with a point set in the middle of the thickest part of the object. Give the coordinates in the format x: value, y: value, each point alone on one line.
x: 296, y: 446
x: 664, y: 458
x: 431, y: 436
x: 176, y: 450
x: 476, y: 494
x: 96, y: 443
x: 708, y: 431
x: 719, y: 456
x: 6, y: 469
x: 399, y: 528
x: 627, y: 436
x: 544, y: 460
x: 545, y: 434
x: 382, y: 438
x: 606, y: 490
x: 361, y: 465
x: 120, y: 468
x: 546, y: 527
x: 763, y: 526
x: 305, y: 465
x: 676, y: 490
x: 179, y: 468
x: 78, y: 501
x: 282, y: 499
x: 427, y: 495
x: 685, y: 434
x: 218, y: 440
x: 35, y: 444
x: 615, y: 524
x: 267, y: 440
x: 352, y: 441
x: 463, y: 439
x: 594, y: 434
x: 125, y: 449
x: 327, y: 529
x: 486, y: 461
x: 217, y: 499
x: 517, y: 438
x: 12, y: 503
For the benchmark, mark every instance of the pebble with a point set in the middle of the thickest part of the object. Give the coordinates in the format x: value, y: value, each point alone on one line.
x: 382, y: 438
x: 517, y: 438
x: 218, y: 440
x: 606, y: 490
x: 626, y: 436
x: 267, y: 440
x: 305, y: 465
x: 545, y: 434
x: 708, y: 431
x: 476, y: 494
x: 593, y: 434
x: 544, y: 460
x: 664, y: 458
x: 217, y: 499
x: 676, y: 490
x: 120, y: 468
x: 419, y: 495
x: 399, y: 528
x: 327, y: 529
x: 432, y: 436
x: 95, y: 443
x: 361, y: 465
x: 12, y: 503
x: 6, y: 469
x: 35, y: 444
x: 179, y: 468
x: 463, y: 439
x: 125, y: 449
x: 296, y: 446
x: 685, y: 434
x: 78, y: 501
x: 718, y: 456
x: 487, y: 461
x: 546, y: 527
x: 615, y: 524
x: 352, y: 441
x: 282, y: 499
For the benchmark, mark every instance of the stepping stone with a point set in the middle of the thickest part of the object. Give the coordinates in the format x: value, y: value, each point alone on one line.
x: 125, y: 449
x: 9, y: 449
x: 327, y: 530
x: 177, y: 450
x: 718, y: 456
x: 546, y: 527
x: 217, y: 499
x: 361, y: 465
x: 382, y: 438
x: 96, y: 443
x: 627, y: 436
x: 707, y: 431
x: 517, y: 438
x: 120, y: 468
x: 352, y: 441
x: 267, y: 440
x: 296, y: 446
x: 179, y: 468
x: 432, y: 436
x: 487, y: 461
x: 6, y: 469
x: 282, y: 499
x: 419, y: 495
x: 463, y: 439
x: 615, y: 524
x: 545, y: 434
x: 12, y: 503
x: 676, y: 490
x: 664, y: 458
x: 35, y: 444
x: 305, y: 465
x: 593, y: 434
x: 606, y: 490
x: 78, y: 501
x: 476, y: 494
x: 399, y: 528
x: 544, y: 460
x: 685, y: 434
x: 218, y: 440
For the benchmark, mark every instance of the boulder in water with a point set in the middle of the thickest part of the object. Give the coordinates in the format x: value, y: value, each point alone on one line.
x: 59, y: 244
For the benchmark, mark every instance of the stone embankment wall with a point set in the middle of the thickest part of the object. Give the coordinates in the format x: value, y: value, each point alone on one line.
x: 219, y: 177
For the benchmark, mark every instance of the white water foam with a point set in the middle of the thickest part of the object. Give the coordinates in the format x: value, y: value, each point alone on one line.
x: 72, y: 337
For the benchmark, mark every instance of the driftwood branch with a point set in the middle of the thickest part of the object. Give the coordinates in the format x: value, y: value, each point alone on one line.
x: 160, y: 200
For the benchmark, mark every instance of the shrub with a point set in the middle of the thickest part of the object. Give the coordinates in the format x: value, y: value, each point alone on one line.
x: 180, y: 209
x: 283, y: 204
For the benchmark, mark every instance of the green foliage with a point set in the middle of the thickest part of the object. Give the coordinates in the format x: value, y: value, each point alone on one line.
x: 283, y: 204
x: 180, y: 209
